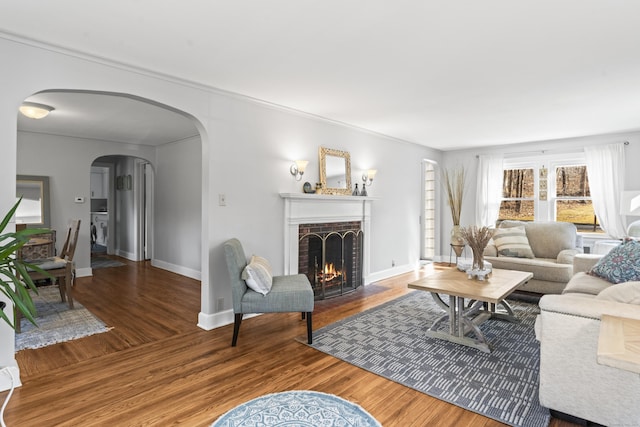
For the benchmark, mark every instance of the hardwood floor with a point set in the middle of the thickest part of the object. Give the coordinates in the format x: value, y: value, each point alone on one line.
x: 156, y: 367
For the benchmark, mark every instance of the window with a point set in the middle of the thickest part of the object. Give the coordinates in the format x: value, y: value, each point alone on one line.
x: 429, y: 211
x: 573, y: 198
x: 518, y: 195
x: 548, y: 188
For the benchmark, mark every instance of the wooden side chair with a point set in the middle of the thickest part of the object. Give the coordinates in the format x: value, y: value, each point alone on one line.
x: 292, y: 293
x: 61, y: 267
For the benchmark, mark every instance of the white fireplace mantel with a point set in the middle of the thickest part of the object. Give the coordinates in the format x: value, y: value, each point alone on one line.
x: 300, y: 208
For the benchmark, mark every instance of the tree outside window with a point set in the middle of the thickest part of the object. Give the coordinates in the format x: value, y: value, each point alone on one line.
x: 573, y: 198
x: 518, y: 195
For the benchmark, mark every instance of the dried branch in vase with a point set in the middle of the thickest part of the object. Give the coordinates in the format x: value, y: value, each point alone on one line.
x: 454, y: 185
x: 477, y: 238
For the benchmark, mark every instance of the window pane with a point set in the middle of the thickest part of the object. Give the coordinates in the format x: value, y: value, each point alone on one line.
x: 517, y: 183
x: 572, y: 181
x: 579, y: 212
x: 429, y: 222
x: 516, y: 209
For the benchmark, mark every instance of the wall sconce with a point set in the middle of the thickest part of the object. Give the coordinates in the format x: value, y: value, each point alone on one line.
x: 368, y: 176
x: 297, y: 169
x: 34, y: 110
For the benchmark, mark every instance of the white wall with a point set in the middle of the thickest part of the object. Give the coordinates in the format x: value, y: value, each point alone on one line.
x: 178, y: 207
x: 247, y: 148
x: 551, y: 148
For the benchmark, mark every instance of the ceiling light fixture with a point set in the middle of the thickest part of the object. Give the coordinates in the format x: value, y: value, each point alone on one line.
x: 34, y: 110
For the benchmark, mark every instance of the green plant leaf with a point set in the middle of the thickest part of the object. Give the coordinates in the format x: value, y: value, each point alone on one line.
x: 15, y: 281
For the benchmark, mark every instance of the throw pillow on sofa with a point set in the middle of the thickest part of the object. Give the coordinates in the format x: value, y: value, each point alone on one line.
x: 621, y: 264
x: 512, y: 242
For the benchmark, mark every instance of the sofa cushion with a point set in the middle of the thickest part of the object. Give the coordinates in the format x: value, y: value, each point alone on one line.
x: 512, y: 242
x: 543, y: 269
x: 258, y: 275
x: 621, y: 264
x: 583, y: 283
x: 628, y: 292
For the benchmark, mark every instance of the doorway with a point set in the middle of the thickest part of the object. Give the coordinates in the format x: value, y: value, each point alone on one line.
x: 121, y: 210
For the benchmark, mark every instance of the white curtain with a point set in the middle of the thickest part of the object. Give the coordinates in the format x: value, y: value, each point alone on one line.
x: 489, y: 190
x: 605, y: 169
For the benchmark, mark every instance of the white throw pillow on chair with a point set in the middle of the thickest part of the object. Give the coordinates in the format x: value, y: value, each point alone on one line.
x: 258, y: 275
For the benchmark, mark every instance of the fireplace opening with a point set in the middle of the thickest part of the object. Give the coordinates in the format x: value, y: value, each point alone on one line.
x: 330, y: 255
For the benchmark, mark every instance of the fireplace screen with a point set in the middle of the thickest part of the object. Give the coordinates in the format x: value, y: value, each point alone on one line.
x: 330, y: 255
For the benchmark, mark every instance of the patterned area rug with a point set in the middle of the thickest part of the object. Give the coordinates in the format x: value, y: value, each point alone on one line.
x: 297, y: 408
x: 389, y: 340
x: 56, y: 322
x: 104, y: 262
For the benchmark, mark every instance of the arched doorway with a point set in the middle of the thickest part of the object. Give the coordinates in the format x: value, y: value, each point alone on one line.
x: 87, y: 126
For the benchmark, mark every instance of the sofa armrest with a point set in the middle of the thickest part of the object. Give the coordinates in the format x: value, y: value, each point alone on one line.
x: 566, y: 256
x: 571, y: 379
x: 584, y: 262
x: 586, y: 306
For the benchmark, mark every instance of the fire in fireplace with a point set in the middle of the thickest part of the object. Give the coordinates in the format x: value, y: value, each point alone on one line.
x: 330, y: 255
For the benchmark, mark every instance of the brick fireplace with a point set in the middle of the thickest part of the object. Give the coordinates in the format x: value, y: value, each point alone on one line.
x: 322, y: 229
x: 330, y: 255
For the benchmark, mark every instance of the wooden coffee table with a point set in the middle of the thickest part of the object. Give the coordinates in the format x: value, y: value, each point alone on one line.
x: 484, y: 299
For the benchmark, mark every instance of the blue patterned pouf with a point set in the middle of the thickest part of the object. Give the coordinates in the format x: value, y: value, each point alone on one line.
x: 297, y: 408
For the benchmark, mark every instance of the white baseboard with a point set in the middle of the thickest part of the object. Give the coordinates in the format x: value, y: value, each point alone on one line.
x: 385, y: 274
x: 216, y: 320
x: 178, y: 269
x: 128, y: 255
x: 5, y: 379
x: 84, y: 272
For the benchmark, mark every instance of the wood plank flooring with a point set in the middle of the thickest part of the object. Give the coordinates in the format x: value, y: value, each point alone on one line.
x: 156, y: 367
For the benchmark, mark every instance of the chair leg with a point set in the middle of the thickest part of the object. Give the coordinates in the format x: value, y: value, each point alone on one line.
x: 236, y: 328
x: 309, y: 329
x: 63, y: 294
x: 67, y: 286
x: 303, y: 315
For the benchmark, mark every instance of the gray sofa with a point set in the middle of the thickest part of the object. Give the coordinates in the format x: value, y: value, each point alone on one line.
x: 572, y: 381
x: 554, y: 245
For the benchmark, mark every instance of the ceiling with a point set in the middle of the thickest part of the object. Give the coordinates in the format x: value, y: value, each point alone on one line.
x: 446, y: 74
x: 108, y: 117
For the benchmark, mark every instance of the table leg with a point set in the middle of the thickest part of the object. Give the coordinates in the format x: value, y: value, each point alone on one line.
x: 459, y: 323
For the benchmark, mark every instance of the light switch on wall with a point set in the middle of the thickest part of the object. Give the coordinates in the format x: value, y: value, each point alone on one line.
x: 222, y: 200
x: 79, y: 199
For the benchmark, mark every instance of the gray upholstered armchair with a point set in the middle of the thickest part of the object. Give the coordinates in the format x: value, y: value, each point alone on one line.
x: 291, y: 293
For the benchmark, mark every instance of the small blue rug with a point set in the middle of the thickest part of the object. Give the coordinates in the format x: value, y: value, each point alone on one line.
x: 297, y: 409
x: 56, y: 322
x: 390, y: 341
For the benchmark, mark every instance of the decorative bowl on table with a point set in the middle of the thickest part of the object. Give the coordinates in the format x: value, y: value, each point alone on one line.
x: 464, y: 264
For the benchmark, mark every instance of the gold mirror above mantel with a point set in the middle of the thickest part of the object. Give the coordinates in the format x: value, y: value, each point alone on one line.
x: 335, y: 171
